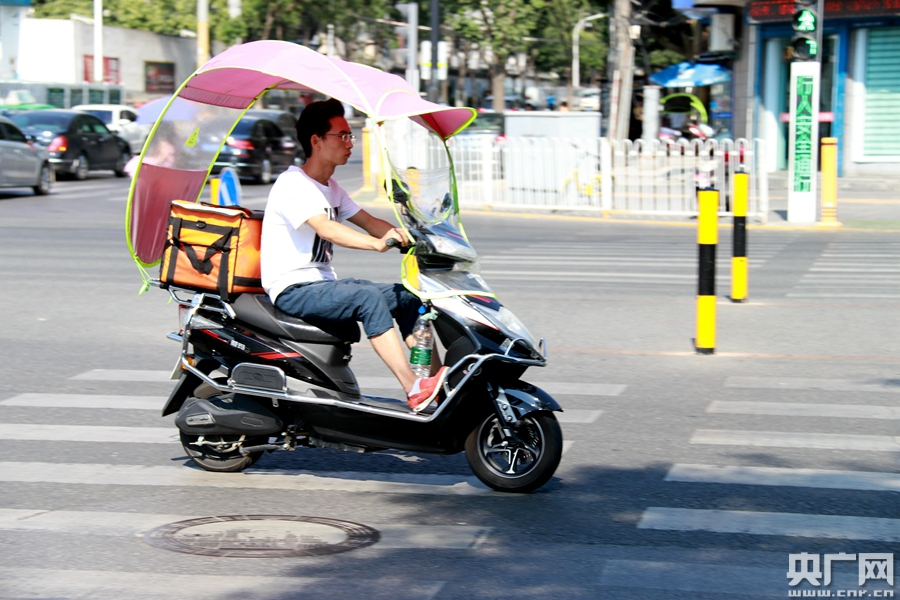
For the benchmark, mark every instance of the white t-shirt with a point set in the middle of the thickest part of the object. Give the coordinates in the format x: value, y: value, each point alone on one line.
x: 291, y: 251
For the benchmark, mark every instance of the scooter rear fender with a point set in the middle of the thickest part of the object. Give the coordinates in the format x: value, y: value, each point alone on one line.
x: 187, y: 383
x: 525, y: 398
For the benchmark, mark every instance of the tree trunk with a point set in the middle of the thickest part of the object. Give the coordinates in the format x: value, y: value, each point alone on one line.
x: 498, y: 77
x: 270, y: 20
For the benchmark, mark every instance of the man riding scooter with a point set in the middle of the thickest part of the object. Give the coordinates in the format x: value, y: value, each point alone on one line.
x: 303, y: 221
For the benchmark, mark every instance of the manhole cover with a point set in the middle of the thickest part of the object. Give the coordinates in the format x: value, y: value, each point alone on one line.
x: 262, y: 536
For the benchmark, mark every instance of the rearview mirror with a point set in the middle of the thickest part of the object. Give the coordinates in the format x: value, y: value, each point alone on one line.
x: 400, y: 192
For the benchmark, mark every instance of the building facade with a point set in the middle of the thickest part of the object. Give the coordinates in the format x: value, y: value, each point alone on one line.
x: 147, y: 65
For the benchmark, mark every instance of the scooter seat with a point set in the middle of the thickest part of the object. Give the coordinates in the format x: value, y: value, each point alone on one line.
x: 257, y: 310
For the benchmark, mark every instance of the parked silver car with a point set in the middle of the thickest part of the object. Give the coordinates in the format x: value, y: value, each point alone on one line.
x: 23, y: 163
x: 121, y: 120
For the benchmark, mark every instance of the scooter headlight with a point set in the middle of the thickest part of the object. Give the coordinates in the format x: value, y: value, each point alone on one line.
x: 510, y: 323
x: 448, y: 247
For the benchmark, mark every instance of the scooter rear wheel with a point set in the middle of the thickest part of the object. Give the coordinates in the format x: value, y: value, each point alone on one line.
x: 227, y: 458
x: 521, y: 465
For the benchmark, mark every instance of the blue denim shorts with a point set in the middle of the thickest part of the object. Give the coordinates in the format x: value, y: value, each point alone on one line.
x: 375, y: 304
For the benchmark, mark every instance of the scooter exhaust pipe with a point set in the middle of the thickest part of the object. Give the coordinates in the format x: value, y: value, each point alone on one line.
x: 245, y: 451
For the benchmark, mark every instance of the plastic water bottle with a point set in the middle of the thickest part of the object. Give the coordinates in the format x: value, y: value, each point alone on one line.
x: 420, y: 354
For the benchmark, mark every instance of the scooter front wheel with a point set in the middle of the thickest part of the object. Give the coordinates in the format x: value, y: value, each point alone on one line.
x: 519, y: 464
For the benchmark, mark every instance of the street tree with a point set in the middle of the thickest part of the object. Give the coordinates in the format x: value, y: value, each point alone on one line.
x: 553, y: 52
x: 499, y: 28
x: 167, y: 17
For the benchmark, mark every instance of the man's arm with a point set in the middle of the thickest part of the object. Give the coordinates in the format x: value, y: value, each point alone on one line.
x: 372, y: 225
x: 346, y: 237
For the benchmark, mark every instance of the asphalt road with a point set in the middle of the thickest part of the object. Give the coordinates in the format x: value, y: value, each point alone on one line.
x: 684, y: 476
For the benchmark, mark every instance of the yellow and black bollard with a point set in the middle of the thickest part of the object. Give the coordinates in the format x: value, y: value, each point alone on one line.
x: 739, y: 239
x: 829, y: 183
x: 707, y: 238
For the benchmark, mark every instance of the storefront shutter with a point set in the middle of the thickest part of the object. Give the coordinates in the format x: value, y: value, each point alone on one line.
x: 882, y: 125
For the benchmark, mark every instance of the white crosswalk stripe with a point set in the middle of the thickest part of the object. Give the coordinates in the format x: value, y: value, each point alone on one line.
x: 122, y: 524
x: 789, y: 439
x: 88, y: 433
x: 86, y: 401
x: 852, y: 270
x: 805, y: 383
x: 789, y: 409
x: 578, y: 416
x: 33, y: 583
x: 658, y: 263
x: 768, y: 523
x: 787, y: 524
x: 124, y: 375
x: 778, y: 476
x: 260, y: 479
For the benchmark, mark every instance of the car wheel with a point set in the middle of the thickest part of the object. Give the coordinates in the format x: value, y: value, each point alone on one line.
x: 44, y: 181
x: 124, y: 157
x: 265, y: 172
x: 82, y: 166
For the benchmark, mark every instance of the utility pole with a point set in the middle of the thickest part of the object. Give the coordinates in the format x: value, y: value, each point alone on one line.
x: 435, y: 37
x: 576, y: 63
x: 633, y: 32
x: 412, y: 42
x: 620, y: 54
x: 98, y: 41
x: 202, y: 32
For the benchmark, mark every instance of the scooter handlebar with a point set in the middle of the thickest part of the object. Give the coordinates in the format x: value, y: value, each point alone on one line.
x: 395, y: 243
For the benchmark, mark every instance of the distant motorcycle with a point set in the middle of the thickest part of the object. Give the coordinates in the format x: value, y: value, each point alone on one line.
x: 690, y: 131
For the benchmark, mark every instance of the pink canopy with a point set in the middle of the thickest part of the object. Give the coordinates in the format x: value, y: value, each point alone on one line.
x: 188, y: 134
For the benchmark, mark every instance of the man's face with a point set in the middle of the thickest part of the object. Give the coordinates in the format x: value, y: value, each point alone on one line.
x: 330, y: 148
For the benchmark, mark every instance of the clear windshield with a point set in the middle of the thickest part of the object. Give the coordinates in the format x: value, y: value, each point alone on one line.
x: 423, y: 190
x: 422, y: 175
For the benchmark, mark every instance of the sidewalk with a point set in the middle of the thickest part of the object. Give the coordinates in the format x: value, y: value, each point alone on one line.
x: 862, y: 203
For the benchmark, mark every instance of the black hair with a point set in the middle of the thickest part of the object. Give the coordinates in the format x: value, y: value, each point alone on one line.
x: 314, y: 120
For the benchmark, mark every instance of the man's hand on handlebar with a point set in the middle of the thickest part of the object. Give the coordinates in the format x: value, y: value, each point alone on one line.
x: 395, y: 237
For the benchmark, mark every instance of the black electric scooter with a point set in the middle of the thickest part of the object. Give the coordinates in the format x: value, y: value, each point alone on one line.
x: 253, y: 379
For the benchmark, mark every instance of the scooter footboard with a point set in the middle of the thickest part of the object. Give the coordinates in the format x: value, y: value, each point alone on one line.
x: 525, y: 398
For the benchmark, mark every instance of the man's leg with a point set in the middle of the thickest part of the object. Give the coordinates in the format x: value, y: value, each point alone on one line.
x: 358, y: 300
x: 404, y: 307
x: 387, y: 346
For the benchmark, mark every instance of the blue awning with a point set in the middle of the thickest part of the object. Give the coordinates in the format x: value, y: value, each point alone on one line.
x: 15, y: 2
x: 688, y: 74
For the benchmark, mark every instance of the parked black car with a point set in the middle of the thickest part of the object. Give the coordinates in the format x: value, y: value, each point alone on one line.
x: 22, y: 164
x: 258, y: 149
x: 288, y: 123
x: 76, y: 142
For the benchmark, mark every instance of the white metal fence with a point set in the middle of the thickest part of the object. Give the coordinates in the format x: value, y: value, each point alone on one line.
x: 595, y: 174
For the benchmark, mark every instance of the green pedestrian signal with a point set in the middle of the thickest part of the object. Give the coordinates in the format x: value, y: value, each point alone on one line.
x: 805, y: 21
x: 805, y: 43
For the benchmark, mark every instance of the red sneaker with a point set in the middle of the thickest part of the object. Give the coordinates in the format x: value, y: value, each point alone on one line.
x: 426, y: 389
